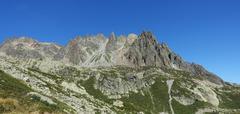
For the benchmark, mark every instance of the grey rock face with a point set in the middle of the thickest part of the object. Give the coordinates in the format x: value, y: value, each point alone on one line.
x: 200, y: 71
x: 122, y: 85
x: 27, y: 48
x: 74, y: 53
x: 146, y: 51
x: 142, y: 51
x: 60, y: 55
x: 23, y: 53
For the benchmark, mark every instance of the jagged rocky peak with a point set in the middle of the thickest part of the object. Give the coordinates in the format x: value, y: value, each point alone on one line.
x: 112, y: 43
x: 112, y: 36
x: 146, y: 51
x: 147, y: 38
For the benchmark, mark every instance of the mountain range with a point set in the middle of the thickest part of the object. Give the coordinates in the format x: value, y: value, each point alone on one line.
x: 115, y: 74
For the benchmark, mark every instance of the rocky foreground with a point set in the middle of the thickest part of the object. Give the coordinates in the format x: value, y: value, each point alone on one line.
x: 95, y: 74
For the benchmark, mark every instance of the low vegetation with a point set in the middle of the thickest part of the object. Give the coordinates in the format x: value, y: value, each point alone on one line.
x: 14, y: 98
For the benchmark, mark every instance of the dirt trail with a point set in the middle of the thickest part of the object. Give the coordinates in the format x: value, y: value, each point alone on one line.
x: 169, y: 84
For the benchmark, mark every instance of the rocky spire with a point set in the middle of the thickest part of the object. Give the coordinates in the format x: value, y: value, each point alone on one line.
x: 143, y: 51
x: 112, y: 36
x: 112, y: 43
x: 148, y: 38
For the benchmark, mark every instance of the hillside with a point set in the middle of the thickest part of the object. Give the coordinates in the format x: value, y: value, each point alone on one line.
x: 118, y: 74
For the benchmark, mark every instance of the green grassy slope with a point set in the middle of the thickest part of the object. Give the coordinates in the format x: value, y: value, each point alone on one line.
x: 14, y: 98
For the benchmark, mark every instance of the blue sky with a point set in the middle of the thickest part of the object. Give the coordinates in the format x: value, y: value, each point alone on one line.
x: 201, y: 31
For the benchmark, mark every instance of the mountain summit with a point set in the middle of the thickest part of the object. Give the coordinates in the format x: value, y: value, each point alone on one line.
x: 115, y: 74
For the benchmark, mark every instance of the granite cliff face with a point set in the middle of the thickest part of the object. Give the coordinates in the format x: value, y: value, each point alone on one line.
x: 115, y: 74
